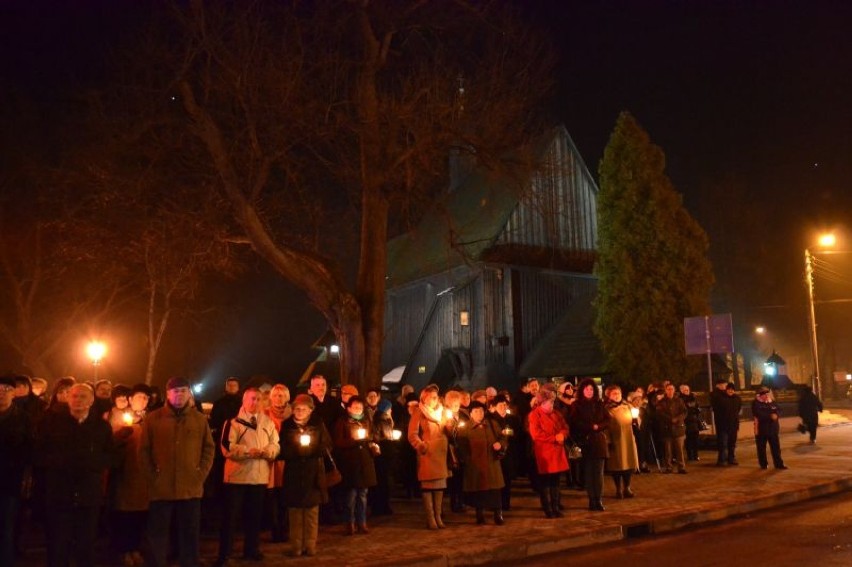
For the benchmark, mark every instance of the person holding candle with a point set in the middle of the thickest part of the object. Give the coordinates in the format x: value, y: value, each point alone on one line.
x: 129, y: 481
x: 623, y: 458
x: 480, y: 446
x: 304, y: 440
x: 509, y: 426
x: 120, y: 408
x: 355, y: 449
x: 388, y: 440
x: 428, y: 433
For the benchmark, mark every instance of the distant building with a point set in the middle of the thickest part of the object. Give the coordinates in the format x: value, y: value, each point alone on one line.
x: 495, y: 283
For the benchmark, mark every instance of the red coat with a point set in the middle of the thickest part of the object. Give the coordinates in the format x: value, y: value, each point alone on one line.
x: 549, y: 453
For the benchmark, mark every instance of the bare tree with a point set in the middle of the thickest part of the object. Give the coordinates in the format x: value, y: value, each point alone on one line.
x: 327, y: 120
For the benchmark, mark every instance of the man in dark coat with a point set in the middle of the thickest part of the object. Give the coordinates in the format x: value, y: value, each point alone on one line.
x: 74, y: 450
x: 809, y: 409
x: 726, y: 406
x: 767, y: 428
x: 670, y: 423
x: 15, y: 451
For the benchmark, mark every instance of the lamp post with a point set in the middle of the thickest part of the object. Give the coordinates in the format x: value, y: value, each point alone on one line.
x: 96, y: 351
x: 825, y: 241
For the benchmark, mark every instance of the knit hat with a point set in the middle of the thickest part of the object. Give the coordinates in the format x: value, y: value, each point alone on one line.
x: 383, y: 406
x: 140, y: 388
x: 477, y: 405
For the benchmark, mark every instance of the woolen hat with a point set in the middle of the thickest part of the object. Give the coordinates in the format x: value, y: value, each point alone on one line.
x: 177, y: 382
x: 383, y: 406
x: 141, y: 387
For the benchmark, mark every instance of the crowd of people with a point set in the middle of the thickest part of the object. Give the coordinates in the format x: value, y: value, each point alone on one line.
x: 85, y: 458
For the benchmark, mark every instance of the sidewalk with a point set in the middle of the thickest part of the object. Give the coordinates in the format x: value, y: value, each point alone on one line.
x: 663, y: 503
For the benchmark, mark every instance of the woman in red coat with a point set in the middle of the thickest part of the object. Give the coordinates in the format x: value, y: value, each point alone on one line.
x: 548, y: 431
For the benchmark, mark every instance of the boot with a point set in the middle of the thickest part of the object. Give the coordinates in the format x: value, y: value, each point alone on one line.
x: 438, y: 502
x: 556, y: 502
x: 350, y: 528
x: 430, y: 511
x: 544, y: 496
x: 363, y: 529
x: 498, y: 517
x: 480, y: 516
x: 618, y: 493
x: 628, y: 493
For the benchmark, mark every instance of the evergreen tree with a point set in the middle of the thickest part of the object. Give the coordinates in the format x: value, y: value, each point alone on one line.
x: 652, y: 267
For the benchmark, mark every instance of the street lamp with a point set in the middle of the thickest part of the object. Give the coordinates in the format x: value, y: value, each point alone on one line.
x: 825, y: 241
x: 96, y: 351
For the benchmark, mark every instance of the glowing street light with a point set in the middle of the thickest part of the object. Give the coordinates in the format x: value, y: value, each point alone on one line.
x: 760, y: 330
x: 96, y: 350
x: 826, y: 240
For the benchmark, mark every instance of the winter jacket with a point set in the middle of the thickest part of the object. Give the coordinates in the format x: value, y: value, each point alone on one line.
x: 482, y: 469
x: 129, y: 478
x: 726, y: 410
x: 585, y: 414
x: 74, y: 458
x: 16, y: 443
x: 304, y: 473
x: 693, y: 413
x: 670, y: 417
x: 176, y: 452
x: 429, y: 439
x: 766, y: 417
x: 549, y: 453
x: 622, y: 445
x: 239, y: 436
x: 354, y: 455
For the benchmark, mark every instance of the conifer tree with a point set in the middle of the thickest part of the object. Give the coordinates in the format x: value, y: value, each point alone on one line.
x: 652, y: 267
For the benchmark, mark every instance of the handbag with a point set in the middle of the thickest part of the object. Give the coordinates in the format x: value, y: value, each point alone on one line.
x: 332, y: 473
x: 573, y: 450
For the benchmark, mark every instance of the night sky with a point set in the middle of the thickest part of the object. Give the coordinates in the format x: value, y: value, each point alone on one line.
x: 750, y: 101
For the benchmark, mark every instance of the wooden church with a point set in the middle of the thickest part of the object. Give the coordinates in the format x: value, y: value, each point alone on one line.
x: 495, y: 283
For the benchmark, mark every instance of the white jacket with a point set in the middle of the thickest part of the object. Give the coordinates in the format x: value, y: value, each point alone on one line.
x: 239, y: 436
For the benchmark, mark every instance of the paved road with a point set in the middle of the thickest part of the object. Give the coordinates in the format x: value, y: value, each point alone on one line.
x: 817, y: 532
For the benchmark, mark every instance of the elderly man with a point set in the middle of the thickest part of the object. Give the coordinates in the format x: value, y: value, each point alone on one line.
x: 670, y: 422
x: 176, y: 451
x: 74, y: 450
x: 249, y: 444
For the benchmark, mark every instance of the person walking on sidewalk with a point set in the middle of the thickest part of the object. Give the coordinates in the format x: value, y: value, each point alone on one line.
x: 427, y: 433
x: 766, y: 428
x: 670, y: 422
x: 589, y: 427
x: 726, y: 406
x: 809, y: 409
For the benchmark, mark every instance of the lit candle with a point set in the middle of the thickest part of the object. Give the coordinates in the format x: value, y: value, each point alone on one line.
x: 634, y: 412
x: 360, y: 433
x: 304, y: 439
x: 508, y: 411
x: 127, y: 417
x: 508, y: 432
x: 396, y: 435
x: 461, y: 424
x: 448, y: 414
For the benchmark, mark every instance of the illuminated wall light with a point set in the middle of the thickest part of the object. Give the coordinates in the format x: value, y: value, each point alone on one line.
x: 464, y: 318
x: 334, y: 349
x: 421, y: 370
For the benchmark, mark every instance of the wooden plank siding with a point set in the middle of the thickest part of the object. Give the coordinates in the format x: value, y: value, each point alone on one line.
x: 524, y: 281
